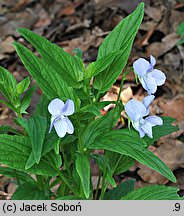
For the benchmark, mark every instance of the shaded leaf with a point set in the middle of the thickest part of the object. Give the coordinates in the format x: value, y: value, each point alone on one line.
x: 100, y: 160
x: 12, y: 173
x: 28, y: 191
x: 100, y: 126
x: 155, y: 192
x: 49, y: 81
x: 15, y: 151
x: 35, y: 127
x: 159, y: 131
x: 62, y: 62
x: 119, y: 163
x: 124, y: 142
x: 120, y: 191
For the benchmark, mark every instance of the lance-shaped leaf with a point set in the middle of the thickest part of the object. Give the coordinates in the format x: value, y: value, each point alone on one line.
x: 23, y: 85
x: 62, y: 62
x: 100, y: 126
x: 121, y: 38
x: 124, y: 142
x: 83, y: 170
x: 101, y: 64
x: 119, y: 163
x: 8, y: 84
x: 35, y: 127
x: 154, y: 192
x: 12, y: 173
x: 15, y: 151
x: 29, y: 191
x: 51, y: 83
x: 120, y: 191
x: 26, y: 100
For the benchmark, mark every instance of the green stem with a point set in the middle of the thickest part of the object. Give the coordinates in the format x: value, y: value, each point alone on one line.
x: 46, y: 187
x: 54, y: 183
x: 104, y: 176
x: 80, y: 145
x: 66, y: 161
x: 98, y: 185
x: 120, y: 89
x: 40, y: 181
x: 103, y: 190
x: 122, y: 81
x: 97, y: 97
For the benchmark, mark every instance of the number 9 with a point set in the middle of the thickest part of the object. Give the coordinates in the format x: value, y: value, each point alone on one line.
x: 177, y: 206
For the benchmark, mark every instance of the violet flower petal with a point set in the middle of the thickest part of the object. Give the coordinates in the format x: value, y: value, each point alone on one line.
x: 55, y: 106
x: 61, y: 127
x: 70, y: 128
x: 154, y: 120
x: 159, y: 77
x: 135, y: 109
x: 147, y: 128
x: 141, y: 66
x: 149, y: 83
x: 68, y: 108
x: 138, y: 128
x: 152, y: 61
x: 147, y: 101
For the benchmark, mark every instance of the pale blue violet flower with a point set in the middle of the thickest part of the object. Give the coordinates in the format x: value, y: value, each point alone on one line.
x: 136, y: 111
x: 149, y: 77
x: 59, y: 119
x: 147, y: 101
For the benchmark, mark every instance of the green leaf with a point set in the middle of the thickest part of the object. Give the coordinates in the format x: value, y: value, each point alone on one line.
x: 35, y: 127
x: 15, y: 151
x: 5, y: 129
x: 69, y: 197
x: 119, y: 163
x: 91, y: 108
x: 50, y: 141
x: 122, y: 33
x: 120, y: 39
x: 120, y: 191
x: 101, y: 64
x: 100, y: 160
x: 61, y: 62
x: 42, y: 107
x: 181, y: 41
x: 78, y: 52
x: 30, y: 162
x: 155, y: 192
x: 23, y: 85
x: 124, y: 142
x: 100, y: 126
x: 159, y: 131
x: 51, y: 83
x: 29, y: 191
x: 8, y: 105
x: 83, y: 170
x: 68, y: 139
x: 26, y: 100
x: 12, y: 173
x: 180, y: 29
x: 8, y: 84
